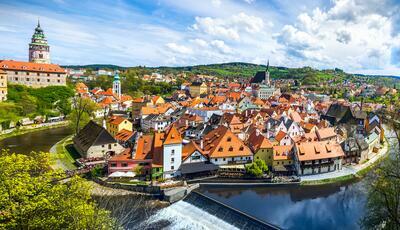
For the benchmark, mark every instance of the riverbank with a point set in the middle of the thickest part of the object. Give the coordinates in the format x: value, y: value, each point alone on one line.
x: 348, y: 173
x: 32, y: 128
x: 61, y: 154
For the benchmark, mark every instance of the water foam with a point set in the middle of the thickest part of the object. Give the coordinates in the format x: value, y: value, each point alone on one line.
x: 183, y: 215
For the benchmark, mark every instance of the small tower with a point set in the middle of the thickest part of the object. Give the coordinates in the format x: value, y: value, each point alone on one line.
x: 117, y: 85
x: 267, y: 80
x: 39, y: 50
x: 172, y: 153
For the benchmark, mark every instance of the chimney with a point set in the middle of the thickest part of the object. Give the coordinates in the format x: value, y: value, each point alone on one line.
x: 246, y: 113
x: 257, y: 132
x: 104, y: 124
x: 201, y: 144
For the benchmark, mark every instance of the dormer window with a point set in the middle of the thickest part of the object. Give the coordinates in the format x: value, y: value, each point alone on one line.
x: 241, y: 148
x: 229, y: 139
x: 220, y: 149
x: 230, y: 149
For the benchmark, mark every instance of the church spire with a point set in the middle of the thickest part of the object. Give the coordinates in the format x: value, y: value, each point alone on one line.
x: 267, y: 66
x: 38, y: 22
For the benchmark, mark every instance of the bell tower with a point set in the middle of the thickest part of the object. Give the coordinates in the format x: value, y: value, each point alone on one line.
x: 39, y: 50
x: 117, y: 85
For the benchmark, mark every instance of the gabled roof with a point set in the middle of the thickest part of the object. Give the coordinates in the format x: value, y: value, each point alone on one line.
x: 116, y: 120
x: 326, y: 133
x: 144, y: 148
x: 259, y: 77
x: 221, y: 142
x: 93, y: 134
x: 173, y: 136
x: 282, y: 152
x: 281, y: 134
x: 189, y: 149
x: 258, y: 141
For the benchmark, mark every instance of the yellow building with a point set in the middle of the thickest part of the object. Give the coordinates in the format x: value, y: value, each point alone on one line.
x: 261, y: 147
x: 3, y: 85
x: 116, y: 124
x: 156, y: 100
x: 283, y: 160
x: 197, y: 88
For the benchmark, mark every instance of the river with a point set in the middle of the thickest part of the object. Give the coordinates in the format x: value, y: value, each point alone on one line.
x: 334, y: 206
x: 35, y: 141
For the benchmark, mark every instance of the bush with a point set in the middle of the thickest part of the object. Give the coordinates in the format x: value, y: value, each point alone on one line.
x: 257, y: 168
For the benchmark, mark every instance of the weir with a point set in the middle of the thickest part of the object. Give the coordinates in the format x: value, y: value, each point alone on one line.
x: 228, y: 214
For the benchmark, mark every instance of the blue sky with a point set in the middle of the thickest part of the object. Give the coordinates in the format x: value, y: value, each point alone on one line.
x: 356, y: 35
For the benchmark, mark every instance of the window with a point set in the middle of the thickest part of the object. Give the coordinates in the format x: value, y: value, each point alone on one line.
x: 113, y: 165
x: 16, y: 79
x: 38, y: 80
x: 172, y: 160
x: 27, y: 73
x: 40, y: 55
x: 48, y: 80
x: 48, y: 75
x: 115, y: 144
x: 58, y: 81
x: 102, y: 146
x: 223, y: 159
x: 229, y: 139
x: 59, y: 75
x: 230, y: 149
x: 172, y: 168
x: 172, y: 151
x: 27, y: 79
x: 124, y: 164
x: 38, y: 74
x: 16, y: 73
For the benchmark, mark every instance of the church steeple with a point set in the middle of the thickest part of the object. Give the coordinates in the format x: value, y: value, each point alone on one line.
x: 117, y: 85
x: 267, y: 80
x: 267, y: 66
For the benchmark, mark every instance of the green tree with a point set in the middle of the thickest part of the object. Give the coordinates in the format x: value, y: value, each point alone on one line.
x: 83, y: 109
x: 33, y: 197
x: 261, y: 164
x: 254, y: 170
x: 383, y: 204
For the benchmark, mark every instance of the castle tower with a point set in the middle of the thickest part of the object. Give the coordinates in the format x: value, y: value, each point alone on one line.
x: 39, y: 50
x: 117, y: 85
x: 267, y: 80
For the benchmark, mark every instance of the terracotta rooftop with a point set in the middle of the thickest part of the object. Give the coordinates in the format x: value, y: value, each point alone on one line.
x: 30, y: 66
x: 307, y: 151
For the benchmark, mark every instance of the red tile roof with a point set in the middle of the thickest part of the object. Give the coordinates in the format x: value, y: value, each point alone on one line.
x: 30, y: 66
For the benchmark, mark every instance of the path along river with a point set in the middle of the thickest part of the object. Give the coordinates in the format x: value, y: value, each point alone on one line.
x: 334, y: 206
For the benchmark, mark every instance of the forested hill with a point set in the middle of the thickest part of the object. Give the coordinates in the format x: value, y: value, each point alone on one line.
x: 307, y: 75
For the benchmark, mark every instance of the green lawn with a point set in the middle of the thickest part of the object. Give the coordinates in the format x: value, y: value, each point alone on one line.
x: 65, y: 154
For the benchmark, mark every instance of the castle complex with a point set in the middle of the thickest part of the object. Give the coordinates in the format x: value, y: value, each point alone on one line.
x: 38, y: 72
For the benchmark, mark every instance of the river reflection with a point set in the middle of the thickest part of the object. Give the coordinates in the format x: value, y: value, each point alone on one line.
x: 35, y: 141
x: 298, y: 207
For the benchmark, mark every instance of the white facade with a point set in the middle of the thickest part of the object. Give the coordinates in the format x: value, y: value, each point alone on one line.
x: 226, y: 160
x: 195, y: 157
x: 172, y: 160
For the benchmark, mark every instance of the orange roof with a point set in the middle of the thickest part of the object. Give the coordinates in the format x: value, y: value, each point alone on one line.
x: 173, y: 137
x: 326, y: 133
x: 189, y: 148
x: 126, y: 98
x: 221, y: 142
x: 257, y: 141
x: 123, y: 156
x: 124, y: 135
x: 280, y: 135
x: 116, y: 120
x: 143, y: 147
x: 30, y: 66
x: 234, y: 95
x: 158, y: 149
x: 282, y: 152
x: 149, y: 110
x: 307, y: 151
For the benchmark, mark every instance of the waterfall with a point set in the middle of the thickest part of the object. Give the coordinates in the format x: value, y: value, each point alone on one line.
x: 183, y: 215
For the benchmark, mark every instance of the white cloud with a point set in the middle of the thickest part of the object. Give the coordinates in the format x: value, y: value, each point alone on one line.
x: 353, y: 35
x: 221, y: 46
x: 229, y: 28
x: 216, y: 3
x: 178, y: 48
